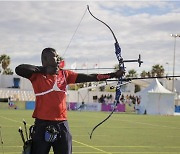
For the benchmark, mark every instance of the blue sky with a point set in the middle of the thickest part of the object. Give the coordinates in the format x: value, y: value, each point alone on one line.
x: 151, y: 9
x: 142, y: 27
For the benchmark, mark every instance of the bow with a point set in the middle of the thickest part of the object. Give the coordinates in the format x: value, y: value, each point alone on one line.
x: 121, y: 67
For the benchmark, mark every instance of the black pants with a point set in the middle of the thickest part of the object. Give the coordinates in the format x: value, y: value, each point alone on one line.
x: 63, y: 144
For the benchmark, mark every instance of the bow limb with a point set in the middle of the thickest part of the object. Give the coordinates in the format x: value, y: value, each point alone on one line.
x: 103, y: 23
x: 101, y: 122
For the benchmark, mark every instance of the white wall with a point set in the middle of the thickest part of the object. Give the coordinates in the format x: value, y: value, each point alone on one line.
x: 160, y: 103
x: 86, y: 96
x: 7, y: 81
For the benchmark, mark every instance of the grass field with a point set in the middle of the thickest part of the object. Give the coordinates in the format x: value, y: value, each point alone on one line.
x: 122, y: 134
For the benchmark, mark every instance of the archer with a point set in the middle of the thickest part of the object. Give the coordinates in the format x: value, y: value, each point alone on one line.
x: 49, y: 82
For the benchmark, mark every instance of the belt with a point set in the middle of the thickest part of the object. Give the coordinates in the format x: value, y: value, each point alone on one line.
x: 39, y: 121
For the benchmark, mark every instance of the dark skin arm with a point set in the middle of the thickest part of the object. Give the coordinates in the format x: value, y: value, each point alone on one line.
x: 26, y: 71
x: 98, y: 77
x: 50, y: 62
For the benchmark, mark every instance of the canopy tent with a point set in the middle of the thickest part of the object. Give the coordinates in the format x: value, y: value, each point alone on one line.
x: 155, y: 99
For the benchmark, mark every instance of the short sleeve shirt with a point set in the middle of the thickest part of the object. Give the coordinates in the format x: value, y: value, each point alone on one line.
x: 51, y: 104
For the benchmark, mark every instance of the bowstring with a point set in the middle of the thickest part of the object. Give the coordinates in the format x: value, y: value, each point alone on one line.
x: 74, y: 33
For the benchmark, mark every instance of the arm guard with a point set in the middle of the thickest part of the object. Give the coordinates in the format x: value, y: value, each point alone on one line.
x: 93, y: 77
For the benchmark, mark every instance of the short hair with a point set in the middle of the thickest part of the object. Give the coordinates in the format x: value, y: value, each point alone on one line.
x: 48, y: 50
x: 45, y: 51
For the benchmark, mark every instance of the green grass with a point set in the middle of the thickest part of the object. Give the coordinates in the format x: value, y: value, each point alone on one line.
x: 121, y: 134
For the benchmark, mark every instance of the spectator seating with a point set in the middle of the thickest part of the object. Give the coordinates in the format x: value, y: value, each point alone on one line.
x: 17, y: 94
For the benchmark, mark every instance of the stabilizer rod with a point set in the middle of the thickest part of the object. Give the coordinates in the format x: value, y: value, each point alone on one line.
x: 138, y: 60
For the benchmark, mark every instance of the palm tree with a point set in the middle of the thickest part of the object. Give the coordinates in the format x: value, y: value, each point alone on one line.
x: 157, y: 70
x: 8, y: 71
x: 132, y: 73
x: 5, y: 61
x: 144, y: 74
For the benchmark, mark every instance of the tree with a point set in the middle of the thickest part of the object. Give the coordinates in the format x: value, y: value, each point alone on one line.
x: 8, y: 71
x: 144, y: 74
x: 132, y: 73
x: 157, y: 70
x: 5, y: 62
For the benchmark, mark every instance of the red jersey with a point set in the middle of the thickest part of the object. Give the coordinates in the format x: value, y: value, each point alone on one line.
x: 50, y: 91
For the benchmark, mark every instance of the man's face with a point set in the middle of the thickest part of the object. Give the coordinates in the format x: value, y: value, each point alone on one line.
x: 50, y: 59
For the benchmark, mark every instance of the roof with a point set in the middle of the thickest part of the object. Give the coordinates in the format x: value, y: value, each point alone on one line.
x: 158, y: 88
x: 155, y: 87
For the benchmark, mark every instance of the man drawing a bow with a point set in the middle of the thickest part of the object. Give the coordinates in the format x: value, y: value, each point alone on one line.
x: 49, y: 82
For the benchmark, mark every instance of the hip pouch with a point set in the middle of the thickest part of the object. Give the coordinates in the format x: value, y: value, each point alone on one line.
x: 51, y: 133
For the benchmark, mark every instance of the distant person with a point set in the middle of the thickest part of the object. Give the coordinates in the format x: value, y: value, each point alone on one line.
x: 82, y: 106
x: 11, y: 103
x: 101, y: 99
x: 49, y: 82
x: 122, y: 99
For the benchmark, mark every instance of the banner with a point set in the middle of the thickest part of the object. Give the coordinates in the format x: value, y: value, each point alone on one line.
x: 95, y: 107
x: 110, y: 107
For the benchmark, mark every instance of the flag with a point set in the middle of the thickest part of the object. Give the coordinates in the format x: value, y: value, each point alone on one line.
x: 62, y: 64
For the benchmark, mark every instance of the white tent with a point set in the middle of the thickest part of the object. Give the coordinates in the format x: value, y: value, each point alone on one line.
x: 155, y: 99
